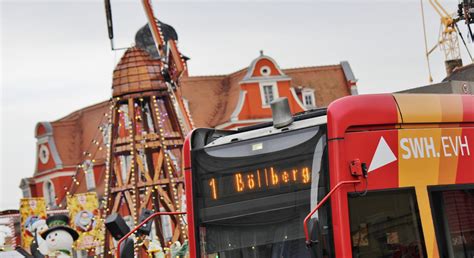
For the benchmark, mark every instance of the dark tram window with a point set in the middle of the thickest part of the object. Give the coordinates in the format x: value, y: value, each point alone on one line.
x: 252, y: 205
x: 386, y: 224
x: 453, y: 215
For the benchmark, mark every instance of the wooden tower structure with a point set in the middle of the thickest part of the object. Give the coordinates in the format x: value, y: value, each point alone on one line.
x: 148, y: 126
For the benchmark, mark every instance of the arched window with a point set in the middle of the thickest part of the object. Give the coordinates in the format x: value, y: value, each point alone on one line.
x: 49, y: 193
x: 88, y: 167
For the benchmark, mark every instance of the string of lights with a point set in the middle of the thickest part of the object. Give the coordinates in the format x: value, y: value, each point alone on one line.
x: 167, y: 161
x: 106, y: 200
x: 87, y: 155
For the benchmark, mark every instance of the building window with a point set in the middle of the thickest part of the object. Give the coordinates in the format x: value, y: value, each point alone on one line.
x: 308, y: 99
x: 90, y: 181
x: 49, y: 193
x: 89, y: 174
x: 269, y: 92
x: 105, y: 129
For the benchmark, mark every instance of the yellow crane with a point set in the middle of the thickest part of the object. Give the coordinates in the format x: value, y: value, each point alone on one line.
x: 447, y: 41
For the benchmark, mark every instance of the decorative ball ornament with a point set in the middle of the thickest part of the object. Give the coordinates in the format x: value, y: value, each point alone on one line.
x: 43, y: 154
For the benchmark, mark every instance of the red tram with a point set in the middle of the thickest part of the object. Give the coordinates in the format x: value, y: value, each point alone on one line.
x: 390, y: 175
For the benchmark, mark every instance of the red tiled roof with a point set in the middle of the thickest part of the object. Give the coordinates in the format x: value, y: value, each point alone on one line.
x: 329, y: 82
x: 212, y: 99
x: 74, y: 133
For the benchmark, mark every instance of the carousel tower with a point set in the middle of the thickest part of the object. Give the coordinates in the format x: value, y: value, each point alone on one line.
x: 148, y: 126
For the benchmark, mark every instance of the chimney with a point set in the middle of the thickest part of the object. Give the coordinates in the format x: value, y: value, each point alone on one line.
x: 451, y: 65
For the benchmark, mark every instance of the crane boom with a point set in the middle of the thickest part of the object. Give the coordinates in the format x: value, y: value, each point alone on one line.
x: 447, y: 41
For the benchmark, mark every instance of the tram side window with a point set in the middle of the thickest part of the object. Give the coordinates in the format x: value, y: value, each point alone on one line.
x: 453, y: 211
x: 386, y: 224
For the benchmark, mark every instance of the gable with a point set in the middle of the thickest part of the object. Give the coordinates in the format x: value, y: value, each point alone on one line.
x: 47, y: 156
x: 263, y: 67
x: 266, y: 67
x: 213, y: 100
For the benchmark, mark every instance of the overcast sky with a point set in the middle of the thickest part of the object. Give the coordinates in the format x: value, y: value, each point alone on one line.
x: 56, y: 56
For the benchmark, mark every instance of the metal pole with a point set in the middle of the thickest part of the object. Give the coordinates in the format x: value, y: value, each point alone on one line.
x: 306, y: 233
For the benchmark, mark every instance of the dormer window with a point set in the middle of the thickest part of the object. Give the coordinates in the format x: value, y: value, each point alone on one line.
x: 269, y: 92
x: 308, y: 98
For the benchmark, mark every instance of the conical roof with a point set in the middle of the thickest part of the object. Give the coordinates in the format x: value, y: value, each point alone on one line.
x: 137, y: 71
x: 144, y: 39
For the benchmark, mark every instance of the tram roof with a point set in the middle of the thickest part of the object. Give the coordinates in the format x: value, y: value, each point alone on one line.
x: 397, y: 110
x: 382, y: 110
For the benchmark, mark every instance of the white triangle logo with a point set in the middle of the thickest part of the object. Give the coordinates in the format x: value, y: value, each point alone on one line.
x: 383, y: 155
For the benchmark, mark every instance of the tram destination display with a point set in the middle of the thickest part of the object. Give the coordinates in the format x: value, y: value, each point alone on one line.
x: 260, y: 179
x: 233, y: 179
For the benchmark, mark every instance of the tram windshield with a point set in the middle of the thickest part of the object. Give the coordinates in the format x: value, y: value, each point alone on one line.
x: 253, y: 195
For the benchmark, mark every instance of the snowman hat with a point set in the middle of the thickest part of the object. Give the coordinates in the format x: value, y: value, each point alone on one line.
x: 59, y: 222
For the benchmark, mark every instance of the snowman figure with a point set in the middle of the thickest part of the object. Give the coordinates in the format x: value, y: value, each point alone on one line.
x: 59, y: 237
x: 38, y: 246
